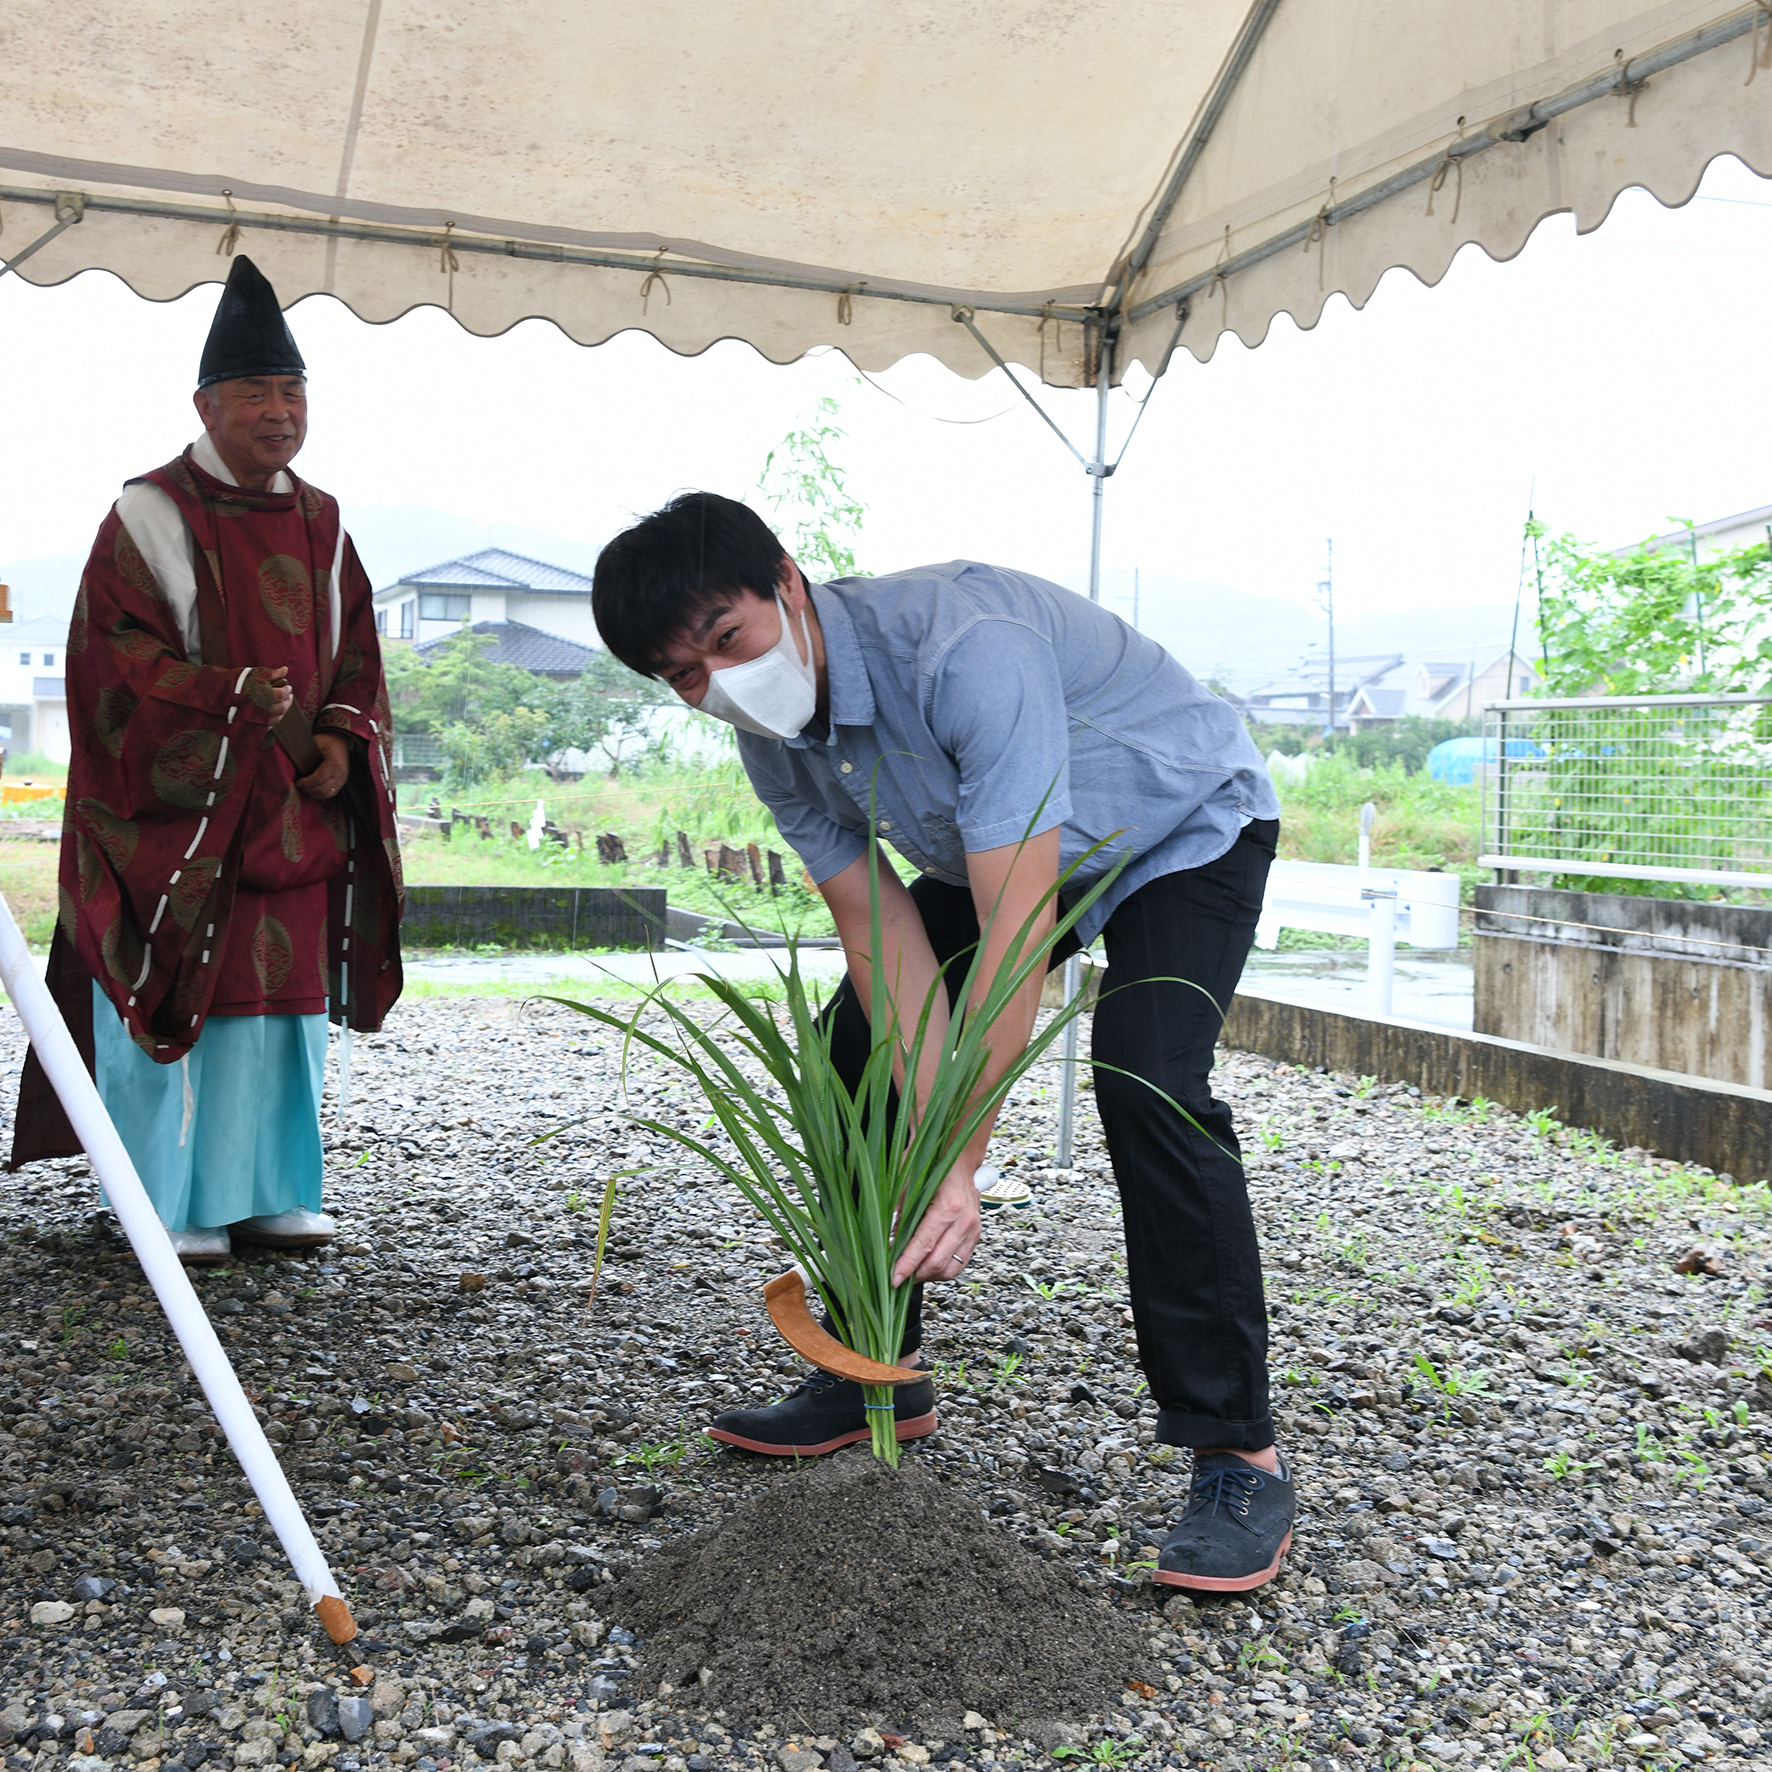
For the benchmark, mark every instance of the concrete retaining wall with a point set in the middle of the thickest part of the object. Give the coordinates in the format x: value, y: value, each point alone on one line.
x: 1691, y: 1119
x: 560, y: 918
x: 1664, y: 982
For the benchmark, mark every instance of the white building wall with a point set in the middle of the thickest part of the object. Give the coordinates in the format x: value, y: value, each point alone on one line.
x: 569, y: 617
x: 49, y: 731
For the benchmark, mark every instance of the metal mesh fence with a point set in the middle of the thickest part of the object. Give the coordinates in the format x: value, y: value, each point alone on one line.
x: 1661, y: 787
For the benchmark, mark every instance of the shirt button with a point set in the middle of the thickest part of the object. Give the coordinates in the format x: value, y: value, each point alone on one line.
x: 845, y: 768
x: 885, y: 824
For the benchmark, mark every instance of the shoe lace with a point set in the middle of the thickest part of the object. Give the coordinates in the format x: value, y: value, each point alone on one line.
x: 1230, y: 1487
x: 816, y: 1380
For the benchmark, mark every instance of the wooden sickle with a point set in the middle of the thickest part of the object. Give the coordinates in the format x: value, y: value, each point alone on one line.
x: 785, y: 1298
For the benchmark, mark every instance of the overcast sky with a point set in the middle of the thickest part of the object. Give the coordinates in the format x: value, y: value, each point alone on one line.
x: 1628, y: 372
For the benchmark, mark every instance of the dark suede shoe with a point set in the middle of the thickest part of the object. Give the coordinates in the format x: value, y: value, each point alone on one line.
x: 1236, y: 1528
x: 821, y: 1414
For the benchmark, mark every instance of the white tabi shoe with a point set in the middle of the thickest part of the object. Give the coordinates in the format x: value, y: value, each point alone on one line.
x: 1000, y: 1193
x: 197, y: 1246
x: 297, y: 1229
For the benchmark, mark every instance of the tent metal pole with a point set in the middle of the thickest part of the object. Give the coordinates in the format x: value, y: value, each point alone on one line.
x: 69, y: 209
x: 1098, y: 471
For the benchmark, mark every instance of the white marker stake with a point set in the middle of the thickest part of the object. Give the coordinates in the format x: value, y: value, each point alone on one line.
x: 66, y: 1071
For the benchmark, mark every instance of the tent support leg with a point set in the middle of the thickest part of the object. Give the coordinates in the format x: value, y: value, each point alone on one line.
x: 66, y: 1070
x: 1098, y: 471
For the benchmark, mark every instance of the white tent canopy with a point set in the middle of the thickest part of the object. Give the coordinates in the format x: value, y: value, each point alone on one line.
x: 1144, y: 172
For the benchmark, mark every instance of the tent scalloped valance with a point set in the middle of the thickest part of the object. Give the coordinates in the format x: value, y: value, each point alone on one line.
x: 1057, y: 174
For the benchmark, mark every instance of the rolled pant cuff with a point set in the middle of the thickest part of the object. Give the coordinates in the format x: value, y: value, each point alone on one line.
x: 1175, y: 1428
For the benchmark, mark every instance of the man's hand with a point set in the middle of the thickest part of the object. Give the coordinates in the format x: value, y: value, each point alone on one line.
x: 948, y: 1234
x: 282, y: 696
x: 333, y: 769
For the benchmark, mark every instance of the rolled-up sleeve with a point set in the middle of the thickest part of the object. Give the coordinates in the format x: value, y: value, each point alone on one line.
x: 997, y: 707
x: 824, y: 846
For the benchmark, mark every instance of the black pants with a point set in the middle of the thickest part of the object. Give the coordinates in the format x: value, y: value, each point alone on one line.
x: 1192, y: 1261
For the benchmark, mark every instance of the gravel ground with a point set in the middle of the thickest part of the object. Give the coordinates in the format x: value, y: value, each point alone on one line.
x: 1529, y: 1446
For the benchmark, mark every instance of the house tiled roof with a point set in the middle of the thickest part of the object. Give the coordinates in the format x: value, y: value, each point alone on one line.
x: 516, y: 643
x: 1386, y: 704
x: 495, y: 567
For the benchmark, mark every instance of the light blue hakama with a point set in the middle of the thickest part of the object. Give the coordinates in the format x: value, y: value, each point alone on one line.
x: 252, y: 1143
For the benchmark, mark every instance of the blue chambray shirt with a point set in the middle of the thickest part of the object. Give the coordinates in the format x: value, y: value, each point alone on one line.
x: 980, y: 705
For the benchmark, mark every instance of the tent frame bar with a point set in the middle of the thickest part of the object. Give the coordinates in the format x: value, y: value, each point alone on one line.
x: 1515, y: 126
x: 70, y: 208
x: 642, y: 264
x: 1211, y: 113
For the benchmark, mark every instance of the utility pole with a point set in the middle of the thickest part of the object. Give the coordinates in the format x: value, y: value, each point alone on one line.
x: 1135, y: 599
x: 1326, y: 599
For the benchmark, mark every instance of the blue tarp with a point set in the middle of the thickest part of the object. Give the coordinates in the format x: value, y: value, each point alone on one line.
x: 1455, y: 760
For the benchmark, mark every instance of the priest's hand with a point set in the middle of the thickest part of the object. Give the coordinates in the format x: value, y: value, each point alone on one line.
x: 282, y: 696
x: 333, y: 768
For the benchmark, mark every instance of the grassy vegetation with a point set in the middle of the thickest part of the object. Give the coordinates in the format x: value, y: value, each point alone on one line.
x: 710, y: 803
x: 709, y: 799
x: 1421, y: 823
x: 27, y: 877
x: 34, y: 766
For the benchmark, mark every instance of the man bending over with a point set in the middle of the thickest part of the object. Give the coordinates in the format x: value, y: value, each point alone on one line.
x: 998, y: 728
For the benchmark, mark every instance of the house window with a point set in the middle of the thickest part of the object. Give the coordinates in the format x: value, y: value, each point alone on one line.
x: 49, y: 658
x: 381, y: 621
x: 444, y: 605
x: 24, y: 658
x: 406, y: 610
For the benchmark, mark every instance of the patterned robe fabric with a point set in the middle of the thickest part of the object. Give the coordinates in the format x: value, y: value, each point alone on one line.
x: 196, y: 879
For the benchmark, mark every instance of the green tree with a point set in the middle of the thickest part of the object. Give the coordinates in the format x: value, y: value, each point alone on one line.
x: 493, y: 746
x: 608, y: 710
x: 817, y: 517
x: 1406, y: 741
x: 1654, y: 621
x: 453, y: 683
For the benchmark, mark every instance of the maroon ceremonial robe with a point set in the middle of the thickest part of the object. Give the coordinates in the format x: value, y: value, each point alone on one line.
x: 196, y: 880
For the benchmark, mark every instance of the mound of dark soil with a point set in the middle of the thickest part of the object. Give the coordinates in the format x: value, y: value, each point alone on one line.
x: 849, y: 1594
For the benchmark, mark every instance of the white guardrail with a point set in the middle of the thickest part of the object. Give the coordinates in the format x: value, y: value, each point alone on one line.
x: 1384, y: 906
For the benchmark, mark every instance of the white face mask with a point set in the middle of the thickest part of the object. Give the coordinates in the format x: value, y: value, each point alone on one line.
x: 774, y: 695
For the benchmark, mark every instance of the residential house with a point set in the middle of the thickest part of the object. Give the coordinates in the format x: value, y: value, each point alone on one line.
x: 1453, y: 690
x: 1371, y: 705
x: 494, y: 586
x: 33, y: 688
x: 1719, y: 536
x: 1302, y: 699
x: 1374, y: 691
x: 564, y: 598
x: 516, y: 643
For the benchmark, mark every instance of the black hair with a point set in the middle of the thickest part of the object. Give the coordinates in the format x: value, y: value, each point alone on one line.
x: 654, y: 579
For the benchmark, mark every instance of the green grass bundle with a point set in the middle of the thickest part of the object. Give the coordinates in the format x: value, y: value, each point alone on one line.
x: 843, y: 1179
